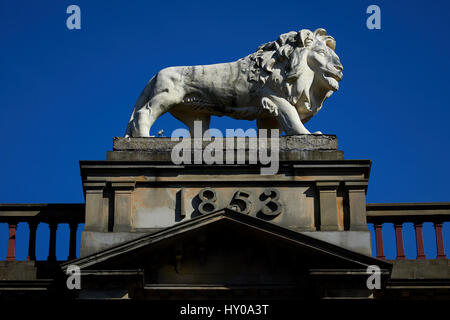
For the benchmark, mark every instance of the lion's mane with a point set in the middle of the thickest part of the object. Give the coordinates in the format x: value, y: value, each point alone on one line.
x: 273, y: 63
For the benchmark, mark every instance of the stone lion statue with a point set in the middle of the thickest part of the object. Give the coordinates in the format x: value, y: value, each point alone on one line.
x: 282, y: 85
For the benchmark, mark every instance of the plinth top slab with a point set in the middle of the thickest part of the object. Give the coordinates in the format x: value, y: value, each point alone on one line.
x: 299, y: 142
x: 300, y: 147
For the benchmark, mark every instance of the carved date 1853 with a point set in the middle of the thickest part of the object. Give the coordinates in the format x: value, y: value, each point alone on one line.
x: 268, y: 204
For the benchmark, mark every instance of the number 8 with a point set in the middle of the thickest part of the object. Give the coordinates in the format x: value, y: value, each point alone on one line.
x: 208, y: 199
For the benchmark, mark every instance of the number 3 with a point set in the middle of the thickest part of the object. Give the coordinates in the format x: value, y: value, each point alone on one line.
x: 271, y: 206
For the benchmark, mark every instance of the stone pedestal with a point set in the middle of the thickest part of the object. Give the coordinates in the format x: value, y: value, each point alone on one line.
x: 139, y: 190
x: 291, y: 148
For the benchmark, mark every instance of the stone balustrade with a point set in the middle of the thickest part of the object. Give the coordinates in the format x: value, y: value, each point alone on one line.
x: 377, y: 214
x: 33, y: 215
x: 416, y: 213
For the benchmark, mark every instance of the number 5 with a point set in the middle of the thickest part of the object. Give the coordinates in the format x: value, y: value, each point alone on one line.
x: 240, y: 202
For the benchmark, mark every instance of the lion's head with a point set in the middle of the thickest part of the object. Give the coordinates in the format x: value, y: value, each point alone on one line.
x: 301, y: 66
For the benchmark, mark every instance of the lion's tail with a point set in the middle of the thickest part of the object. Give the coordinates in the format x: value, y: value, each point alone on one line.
x: 142, y: 100
x: 130, y: 124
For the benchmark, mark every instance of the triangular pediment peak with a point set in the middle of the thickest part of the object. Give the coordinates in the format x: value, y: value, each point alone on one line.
x: 239, y: 222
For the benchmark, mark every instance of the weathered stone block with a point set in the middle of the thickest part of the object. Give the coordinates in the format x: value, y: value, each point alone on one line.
x: 291, y: 148
x: 286, y: 143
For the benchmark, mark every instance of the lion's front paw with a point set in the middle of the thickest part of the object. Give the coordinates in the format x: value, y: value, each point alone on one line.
x: 269, y: 106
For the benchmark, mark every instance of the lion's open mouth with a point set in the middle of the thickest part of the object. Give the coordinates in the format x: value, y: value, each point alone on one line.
x: 333, y: 79
x: 336, y: 76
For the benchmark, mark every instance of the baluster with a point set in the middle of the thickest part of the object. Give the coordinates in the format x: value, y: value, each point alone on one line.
x: 419, y: 241
x: 379, y: 241
x: 73, y: 241
x: 32, y: 241
x: 439, y: 241
x: 399, y: 241
x: 52, y: 244
x: 12, y: 242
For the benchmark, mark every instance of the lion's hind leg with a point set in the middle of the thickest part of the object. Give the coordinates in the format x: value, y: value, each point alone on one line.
x: 160, y: 94
x: 145, y: 117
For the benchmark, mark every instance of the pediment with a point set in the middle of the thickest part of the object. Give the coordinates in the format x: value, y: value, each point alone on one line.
x: 226, y: 254
x: 230, y: 224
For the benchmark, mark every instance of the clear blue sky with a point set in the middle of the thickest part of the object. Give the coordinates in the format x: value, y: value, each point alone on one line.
x: 66, y: 93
